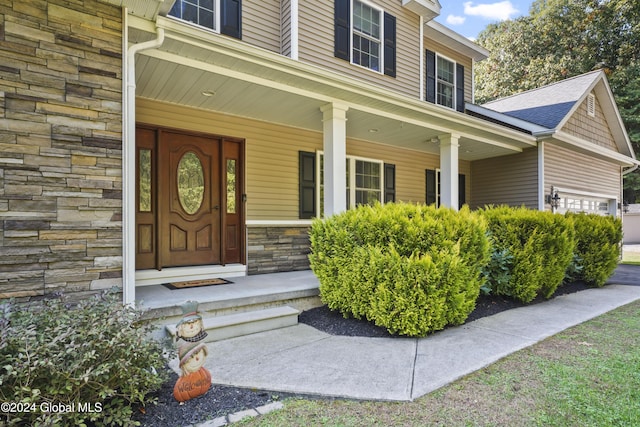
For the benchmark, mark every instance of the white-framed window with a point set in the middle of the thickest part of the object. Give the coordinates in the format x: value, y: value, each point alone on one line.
x: 584, y: 203
x: 205, y: 13
x: 367, y: 35
x: 445, y: 82
x: 364, y: 178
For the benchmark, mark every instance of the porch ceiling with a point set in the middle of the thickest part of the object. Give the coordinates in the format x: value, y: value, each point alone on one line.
x: 268, y: 87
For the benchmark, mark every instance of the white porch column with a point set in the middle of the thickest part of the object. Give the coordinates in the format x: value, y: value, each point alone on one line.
x: 449, y: 170
x: 334, y: 124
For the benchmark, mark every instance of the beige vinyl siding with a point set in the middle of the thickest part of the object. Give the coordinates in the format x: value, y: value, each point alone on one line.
x: 285, y: 29
x: 271, y: 153
x: 261, y: 24
x: 458, y: 58
x: 569, y: 170
x: 593, y: 129
x: 510, y: 180
x: 316, y: 46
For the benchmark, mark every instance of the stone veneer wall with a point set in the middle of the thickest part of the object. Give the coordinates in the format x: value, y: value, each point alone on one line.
x: 277, y: 248
x: 60, y: 147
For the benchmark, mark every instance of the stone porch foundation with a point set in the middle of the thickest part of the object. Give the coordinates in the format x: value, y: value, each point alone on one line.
x: 273, y: 249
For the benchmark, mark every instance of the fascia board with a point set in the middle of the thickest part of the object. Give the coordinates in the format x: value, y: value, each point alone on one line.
x: 450, y: 38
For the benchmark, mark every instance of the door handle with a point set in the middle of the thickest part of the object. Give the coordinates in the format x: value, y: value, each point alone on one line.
x: 216, y: 207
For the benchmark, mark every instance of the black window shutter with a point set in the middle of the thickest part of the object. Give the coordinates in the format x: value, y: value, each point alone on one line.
x: 342, y: 30
x: 389, y: 45
x: 460, y: 88
x: 389, y: 183
x: 307, y: 192
x: 462, y: 194
x: 431, y: 76
x: 431, y: 187
x: 231, y: 18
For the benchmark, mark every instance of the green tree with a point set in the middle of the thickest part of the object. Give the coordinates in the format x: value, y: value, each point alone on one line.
x: 561, y: 39
x: 626, y: 85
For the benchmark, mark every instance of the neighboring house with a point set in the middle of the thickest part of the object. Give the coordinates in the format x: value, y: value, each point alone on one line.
x: 631, y: 224
x: 144, y: 141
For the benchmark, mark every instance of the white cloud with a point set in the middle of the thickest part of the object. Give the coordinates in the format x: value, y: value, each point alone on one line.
x: 498, y: 11
x: 455, y: 20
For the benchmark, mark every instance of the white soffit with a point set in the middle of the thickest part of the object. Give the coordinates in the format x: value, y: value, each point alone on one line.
x: 428, y: 9
x: 148, y: 9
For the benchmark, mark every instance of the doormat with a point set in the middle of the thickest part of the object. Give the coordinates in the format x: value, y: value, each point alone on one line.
x: 196, y: 283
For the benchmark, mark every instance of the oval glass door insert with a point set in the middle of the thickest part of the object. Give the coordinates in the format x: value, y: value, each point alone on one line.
x: 190, y: 182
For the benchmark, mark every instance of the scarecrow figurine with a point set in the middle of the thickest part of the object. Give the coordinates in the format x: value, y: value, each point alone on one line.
x: 196, y: 379
x: 190, y: 327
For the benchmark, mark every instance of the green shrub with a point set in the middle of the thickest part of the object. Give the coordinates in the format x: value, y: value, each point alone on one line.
x: 574, y: 270
x: 597, y: 246
x: 541, y: 244
x: 409, y: 268
x: 53, y: 355
x: 497, y: 272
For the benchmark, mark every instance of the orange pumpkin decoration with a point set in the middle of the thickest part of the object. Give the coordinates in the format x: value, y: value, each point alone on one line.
x: 192, y: 385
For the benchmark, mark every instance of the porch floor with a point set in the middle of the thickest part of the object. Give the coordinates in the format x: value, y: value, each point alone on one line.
x: 261, y: 289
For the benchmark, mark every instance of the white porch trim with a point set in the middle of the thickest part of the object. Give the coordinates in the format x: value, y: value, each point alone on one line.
x: 278, y: 222
x: 334, y: 124
x: 128, y: 160
x: 541, y: 192
x: 168, y: 275
x: 449, y: 170
x: 295, y: 23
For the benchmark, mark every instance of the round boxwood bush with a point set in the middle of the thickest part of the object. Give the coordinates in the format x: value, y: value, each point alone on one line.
x: 539, y: 248
x: 412, y: 269
x: 597, y: 246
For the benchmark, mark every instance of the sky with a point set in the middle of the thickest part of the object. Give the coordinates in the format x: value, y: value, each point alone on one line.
x: 469, y: 18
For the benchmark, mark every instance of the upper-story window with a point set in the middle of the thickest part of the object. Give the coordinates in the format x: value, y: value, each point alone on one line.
x: 365, y: 35
x: 445, y: 81
x: 201, y: 12
x: 222, y: 16
x: 367, y: 31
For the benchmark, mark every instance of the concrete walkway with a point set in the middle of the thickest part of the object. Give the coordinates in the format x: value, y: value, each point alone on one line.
x: 301, y: 359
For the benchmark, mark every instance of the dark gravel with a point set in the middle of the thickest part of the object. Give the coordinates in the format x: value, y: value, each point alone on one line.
x: 223, y: 400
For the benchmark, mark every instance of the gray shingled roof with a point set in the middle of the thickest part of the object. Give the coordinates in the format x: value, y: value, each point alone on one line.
x: 546, y: 106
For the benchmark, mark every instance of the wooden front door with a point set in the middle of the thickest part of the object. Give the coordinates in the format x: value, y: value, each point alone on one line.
x: 189, y: 204
x: 189, y: 192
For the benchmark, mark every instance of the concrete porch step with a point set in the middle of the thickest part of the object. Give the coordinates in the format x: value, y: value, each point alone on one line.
x: 245, y: 323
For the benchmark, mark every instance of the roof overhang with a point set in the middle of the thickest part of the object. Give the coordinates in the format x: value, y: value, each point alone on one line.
x: 509, y: 121
x: 148, y: 9
x: 263, y: 85
x: 428, y: 9
x: 447, y: 37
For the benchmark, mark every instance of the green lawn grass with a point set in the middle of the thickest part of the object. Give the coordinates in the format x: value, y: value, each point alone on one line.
x: 588, y: 375
x: 629, y: 257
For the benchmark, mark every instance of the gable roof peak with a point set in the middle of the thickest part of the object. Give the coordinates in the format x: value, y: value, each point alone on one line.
x: 548, y: 105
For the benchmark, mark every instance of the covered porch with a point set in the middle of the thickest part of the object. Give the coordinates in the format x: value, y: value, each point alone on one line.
x: 186, y: 66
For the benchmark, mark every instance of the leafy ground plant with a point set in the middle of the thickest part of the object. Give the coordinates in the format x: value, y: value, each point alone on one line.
x: 64, y: 364
x: 588, y: 375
